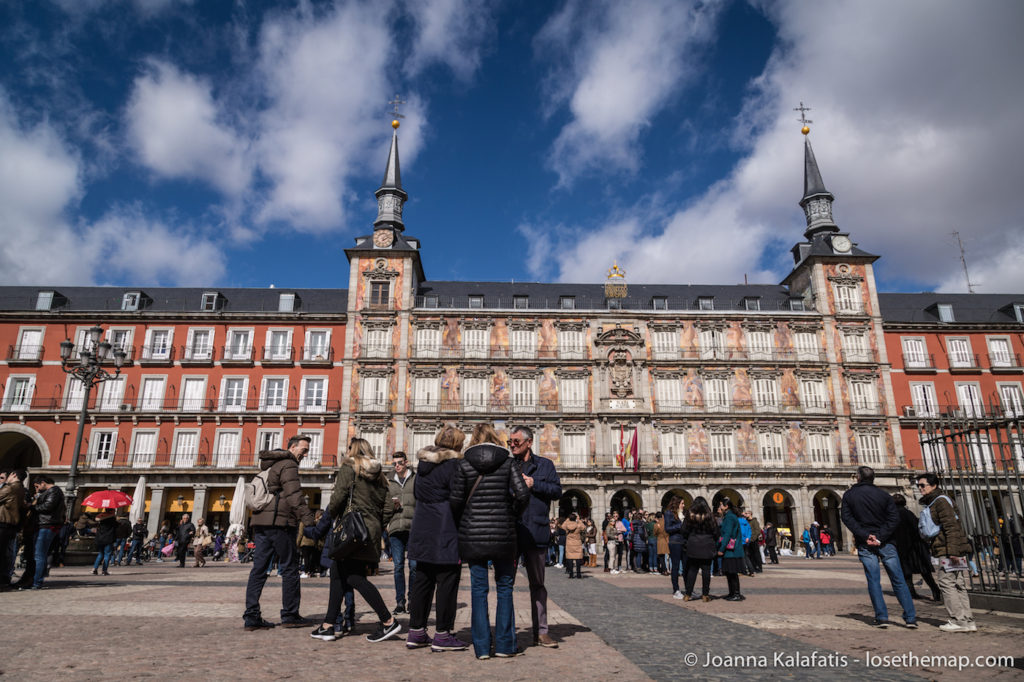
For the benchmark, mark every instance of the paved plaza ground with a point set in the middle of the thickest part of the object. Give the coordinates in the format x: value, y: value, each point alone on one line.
x: 804, y: 619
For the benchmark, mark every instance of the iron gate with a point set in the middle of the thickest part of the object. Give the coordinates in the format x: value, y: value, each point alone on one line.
x: 979, y: 458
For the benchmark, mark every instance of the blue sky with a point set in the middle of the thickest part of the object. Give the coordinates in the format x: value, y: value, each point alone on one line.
x: 199, y: 143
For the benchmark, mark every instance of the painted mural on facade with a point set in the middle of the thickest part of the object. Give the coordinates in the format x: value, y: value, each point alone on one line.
x: 548, y: 340
x: 450, y: 388
x: 451, y: 337
x: 547, y: 390
x: 547, y: 441
x: 499, y: 339
x: 500, y: 395
x: 746, y: 445
x: 741, y: 392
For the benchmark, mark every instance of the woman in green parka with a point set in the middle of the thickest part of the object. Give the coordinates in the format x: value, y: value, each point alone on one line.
x: 732, y: 557
x: 361, y: 477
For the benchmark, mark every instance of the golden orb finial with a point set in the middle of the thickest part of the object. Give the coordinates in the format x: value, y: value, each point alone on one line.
x: 805, y: 130
x: 395, y: 123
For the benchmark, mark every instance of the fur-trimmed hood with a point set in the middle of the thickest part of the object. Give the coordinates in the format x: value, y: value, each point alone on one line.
x: 435, y: 454
x: 370, y: 469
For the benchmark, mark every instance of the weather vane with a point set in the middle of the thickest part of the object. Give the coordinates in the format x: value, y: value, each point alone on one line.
x: 803, y: 119
x: 394, y: 112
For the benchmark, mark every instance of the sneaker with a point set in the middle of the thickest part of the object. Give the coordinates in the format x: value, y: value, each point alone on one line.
x: 556, y: 566
x: 513, y: 654
x: 957, y: 627
x: 297, y: 623
x: 385, y: 632
x: 303, y: 575
x: 912, y: 626
x: 483, y: 657
x: 417, y: 639
x: 881, y: 624
x: 447, y: 642
x: 400, y: 608
x: 259, y: 625
x: 677, y: 595
x: 545, y: 640
x: 325, y: 634
x: 615, y: 571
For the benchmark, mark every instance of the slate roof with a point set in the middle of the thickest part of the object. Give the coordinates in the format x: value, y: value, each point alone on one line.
x: 173, y: 299
x: 967, y: 308
x: 546, y: 296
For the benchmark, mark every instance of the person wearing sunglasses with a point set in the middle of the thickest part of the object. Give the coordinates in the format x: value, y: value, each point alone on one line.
x: 533, y: 529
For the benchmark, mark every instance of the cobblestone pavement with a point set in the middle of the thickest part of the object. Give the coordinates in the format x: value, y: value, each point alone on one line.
x: 164, y: 622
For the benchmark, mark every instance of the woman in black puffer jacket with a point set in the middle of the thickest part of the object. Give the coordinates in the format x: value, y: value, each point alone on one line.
x: 487, y: 495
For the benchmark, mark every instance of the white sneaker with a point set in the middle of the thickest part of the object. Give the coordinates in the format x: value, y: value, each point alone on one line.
x: 615, y: 571
x: 559, y: 565
x: 303, y: 575
x: 677, y: 595
x: 956, y: 627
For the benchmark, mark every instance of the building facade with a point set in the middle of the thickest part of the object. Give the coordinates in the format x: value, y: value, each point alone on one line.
x: 770, y: 394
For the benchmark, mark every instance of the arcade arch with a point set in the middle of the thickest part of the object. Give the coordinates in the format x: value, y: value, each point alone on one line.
x: 22, y: 448
x: 574, y: 500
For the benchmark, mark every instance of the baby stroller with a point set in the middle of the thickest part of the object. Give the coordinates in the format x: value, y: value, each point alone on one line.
x: 250, y: 553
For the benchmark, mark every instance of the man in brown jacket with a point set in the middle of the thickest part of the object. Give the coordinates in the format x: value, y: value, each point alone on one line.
x: 951, y: 547
x: 274, y: 530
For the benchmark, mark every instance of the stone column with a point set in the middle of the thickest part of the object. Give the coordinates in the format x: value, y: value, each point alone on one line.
x: 325, y: 497
x: 199, y: 503
x: 156, y: 510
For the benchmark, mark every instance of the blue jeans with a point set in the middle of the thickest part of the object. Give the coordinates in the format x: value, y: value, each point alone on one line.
x: 504, y: 630
x: 652, y: 556
x: 398, y: 542
x: 44, y: 540
x: 873, y: 558
x: 135, y: 551
x: 103, y: 553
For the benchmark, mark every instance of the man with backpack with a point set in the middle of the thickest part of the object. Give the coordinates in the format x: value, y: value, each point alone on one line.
x: 940, y: 526
x: 871, y: 515
x: 275, y: 496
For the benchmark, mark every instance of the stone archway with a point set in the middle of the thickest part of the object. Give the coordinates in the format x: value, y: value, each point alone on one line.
x: 574, y: 500
x: 22, y: 448
x: 826, y: 513
x: 625, y: 500
x: 733, y: 495
x: 686, y: 497
x: 778, y: 506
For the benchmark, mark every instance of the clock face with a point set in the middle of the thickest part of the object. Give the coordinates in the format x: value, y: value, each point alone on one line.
x: 383, y: 238
x: 841, y: 244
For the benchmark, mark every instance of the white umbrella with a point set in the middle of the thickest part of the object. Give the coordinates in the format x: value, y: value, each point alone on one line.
x: 138, y: 509
x: 237, y: 515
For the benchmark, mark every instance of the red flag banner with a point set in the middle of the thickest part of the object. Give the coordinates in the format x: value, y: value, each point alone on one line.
x: 620, y: 456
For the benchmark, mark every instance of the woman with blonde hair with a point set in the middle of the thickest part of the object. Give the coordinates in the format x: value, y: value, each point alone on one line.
x: 361, y: 483
x: 202, y: 539
x: 488, y: 492
x: 434, y: 544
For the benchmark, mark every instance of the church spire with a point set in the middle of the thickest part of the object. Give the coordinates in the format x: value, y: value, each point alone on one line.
x: 391, y: 197
x: 817, y: 201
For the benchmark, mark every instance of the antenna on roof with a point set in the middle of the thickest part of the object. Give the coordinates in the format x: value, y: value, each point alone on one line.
x: 963, y: 261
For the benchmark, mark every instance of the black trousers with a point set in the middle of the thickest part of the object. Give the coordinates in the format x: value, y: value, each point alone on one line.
x: 676, y: 552
x: 754, y: 555
x: 181, y: 552
x: 773, y: 554
x: 8, y: 532
x: 271, y: 541
x: 692, y: 566
x: 733, y: 579
x: 428, y: 579
x: 573, y: 567
x: 352, y: 572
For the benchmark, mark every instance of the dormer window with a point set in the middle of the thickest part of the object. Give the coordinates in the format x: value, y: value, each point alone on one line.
x: 286, y: 303
x: 476, y: 301
x: 430, y: 301
x: 1018, y: 312
x: 659, y: 303
x: 44, y: 301
x: 796, y: 304
x: 614, y: 303
x: 945, y: 312
x: 130, y: 301
x: 520, y: 302
x: 752, y: 303
x: 209, y: 302
x: 706, y: 303
x: 567, y: 302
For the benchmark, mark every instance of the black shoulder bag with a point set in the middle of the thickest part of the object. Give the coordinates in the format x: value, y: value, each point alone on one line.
x: 349, y: 533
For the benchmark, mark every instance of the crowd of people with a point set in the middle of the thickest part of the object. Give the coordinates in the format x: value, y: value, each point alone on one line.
x: 486, y: 506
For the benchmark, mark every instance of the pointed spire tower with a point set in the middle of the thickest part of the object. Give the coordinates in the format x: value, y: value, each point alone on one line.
x: 391, y: 197
x: 817, y: 201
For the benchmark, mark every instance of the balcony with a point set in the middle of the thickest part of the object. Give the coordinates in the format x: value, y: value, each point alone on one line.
x: 376, y: 352
x: 236, y: 356
x: 179, y: 405
x: 188, y: 460
x: 156, y: 356
x: 1004, y: 363
x: 317, y: 356
x: 471, y: 352
x: 197, y: 356
x: 278, y: 356
x: 698, y: 354
x: 918, y: 363
x: 861, y: 408
x: 963, y: 363
x: 24, y: 355
x: 740, y: 407
x: 858, y: 357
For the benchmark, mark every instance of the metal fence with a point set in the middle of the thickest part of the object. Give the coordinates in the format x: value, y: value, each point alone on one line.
x: 980, y: 459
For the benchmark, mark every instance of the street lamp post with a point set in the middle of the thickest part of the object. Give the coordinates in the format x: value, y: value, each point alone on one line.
x: 86, y: 369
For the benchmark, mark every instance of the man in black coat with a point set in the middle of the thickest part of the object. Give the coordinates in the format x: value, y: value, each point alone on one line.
x: 183, y: 538
x: 871, y: 515
x: 533, y: 529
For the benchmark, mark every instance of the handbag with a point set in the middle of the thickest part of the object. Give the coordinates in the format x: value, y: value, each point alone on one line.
x: 349, y: 533
x: 168, y: 549
x: 731, y: 544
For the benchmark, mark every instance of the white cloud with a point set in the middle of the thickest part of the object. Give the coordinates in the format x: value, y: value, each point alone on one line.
x: 178, y: 130
x: 916, y: 133
x: 40, y: 184
x: 451, y: 32
x: 623, y: 63
x: 328, y: 84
